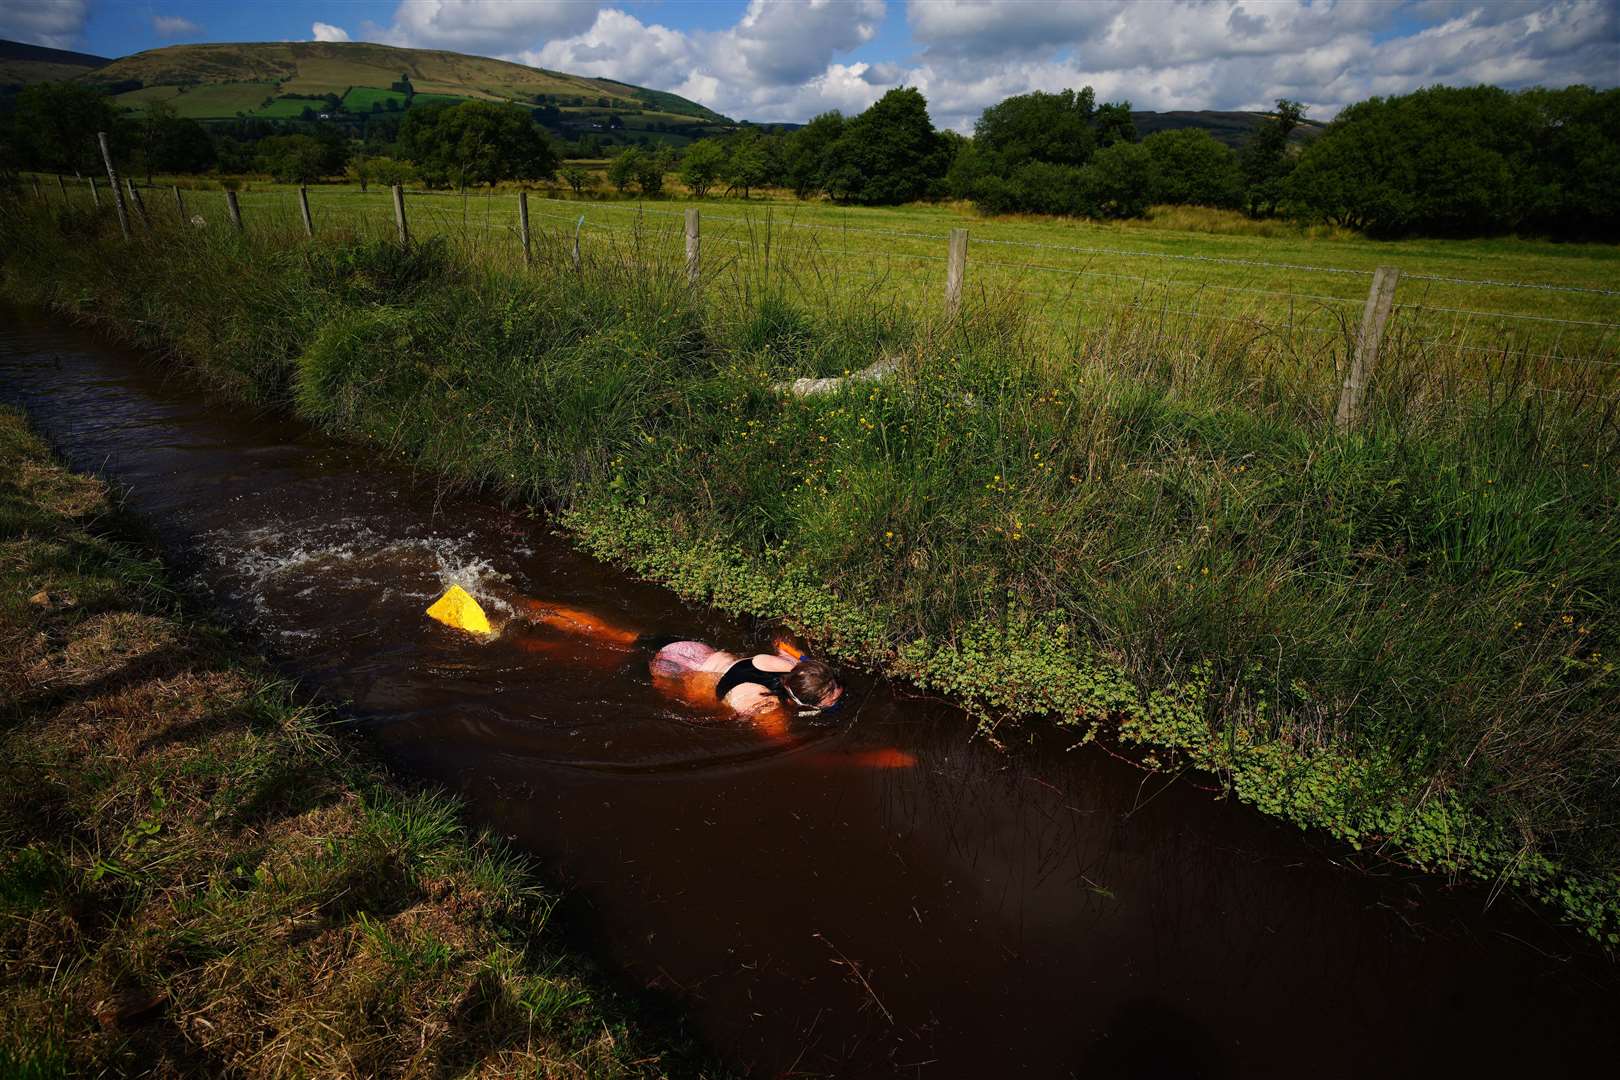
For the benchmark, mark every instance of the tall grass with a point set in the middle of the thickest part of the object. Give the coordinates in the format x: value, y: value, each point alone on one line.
x: 1430, y: 599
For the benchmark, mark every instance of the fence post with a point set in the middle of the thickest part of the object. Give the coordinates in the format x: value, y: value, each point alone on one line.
x: 399, y: 216
x: 578, y: 225
x: 137, y: 202
x: 39, y: 195
x: 1380, y: 301
x: 303, y: 208
x: 179, y: 204
x: 694, y: 246
x: 955, y: 270
x: 112, y: 182
x: 235, y: 209
x: 95, y: 196
x: 523, y: 226
x: 60, y: 186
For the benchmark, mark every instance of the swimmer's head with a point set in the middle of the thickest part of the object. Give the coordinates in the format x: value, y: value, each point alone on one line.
x: 812, y: 687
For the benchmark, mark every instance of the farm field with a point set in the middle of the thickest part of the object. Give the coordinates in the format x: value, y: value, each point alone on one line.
x: 1552, y: 303
x: 210, y: 101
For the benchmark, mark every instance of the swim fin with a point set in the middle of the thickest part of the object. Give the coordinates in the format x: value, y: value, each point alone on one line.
x: 456, y: 608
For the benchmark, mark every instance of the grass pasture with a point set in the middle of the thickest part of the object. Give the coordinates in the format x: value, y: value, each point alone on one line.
x: 287, y: 108
x: 362, y: 98
x: 209, y: 101
x: 1300, y: 294
x: 1139, y: 528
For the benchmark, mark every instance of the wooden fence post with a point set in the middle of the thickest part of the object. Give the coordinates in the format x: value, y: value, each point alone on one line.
x: 303, y: 208
x: 694, y: 246
x: 955, y: 271
x: 137, y: 202
x: 578, y: 225
x: 399, y: 216
x: 523, y: 226
x: 60, y: 186
x: 39, y: 195
x: 95, y: 196
x: 235, y: 209
x: 179, y: 204
x: 112, y: 182
x: 1380, y: 301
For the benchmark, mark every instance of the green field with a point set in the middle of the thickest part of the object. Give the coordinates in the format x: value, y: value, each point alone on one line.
x: 287, y: 108
x: 1299, y: 292
x: 210, y: 101
x: 362, y: 98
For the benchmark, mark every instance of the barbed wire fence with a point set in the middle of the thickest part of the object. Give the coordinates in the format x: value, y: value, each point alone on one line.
x: 1098, y: 281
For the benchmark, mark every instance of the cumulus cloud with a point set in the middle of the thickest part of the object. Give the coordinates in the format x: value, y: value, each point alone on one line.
x: 174, y: 26
x: 327, y: 32
x: 55, y: 24
x: 492, y: 27
x: 776, y: 61
x: 790, y: 60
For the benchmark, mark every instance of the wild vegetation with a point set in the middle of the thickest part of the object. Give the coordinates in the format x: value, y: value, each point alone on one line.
x: 1403, y: 635
x: 199, y: 876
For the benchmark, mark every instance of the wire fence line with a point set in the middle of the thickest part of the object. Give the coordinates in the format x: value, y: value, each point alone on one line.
x: 1289, y: 312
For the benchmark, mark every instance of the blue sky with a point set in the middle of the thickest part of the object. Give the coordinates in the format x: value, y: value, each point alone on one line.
x: 790, y: 59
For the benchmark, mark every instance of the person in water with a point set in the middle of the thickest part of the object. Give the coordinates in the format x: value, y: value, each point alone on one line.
x: 769, y: 689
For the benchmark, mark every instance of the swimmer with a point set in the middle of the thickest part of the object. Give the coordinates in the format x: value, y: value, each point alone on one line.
x: 769, y: 689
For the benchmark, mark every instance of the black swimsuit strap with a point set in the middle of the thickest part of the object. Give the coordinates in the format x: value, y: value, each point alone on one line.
x: 744, y: 671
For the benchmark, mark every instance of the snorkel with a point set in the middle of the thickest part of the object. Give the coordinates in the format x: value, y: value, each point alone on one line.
x: 787, y: 650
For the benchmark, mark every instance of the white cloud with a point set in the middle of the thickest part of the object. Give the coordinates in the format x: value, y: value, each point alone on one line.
x: 55, y: 24
x: 327, y: 32
x: 776, y: 61
x: 790, y: 59
x: 174, y: 26
x: 490, y: 27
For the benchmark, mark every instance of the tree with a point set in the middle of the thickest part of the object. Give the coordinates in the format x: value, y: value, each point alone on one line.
x: 58, y: 123
x: 1119, y: 182
x: 705, y: 160
x: 893, y: 150
x: 476, y: 142
x: 623, y: 170
x: 1193, y: 168
x: 651, y: 168
x: 1113, y: 124
x: 804, y: 154
x: 1054, y: 128
x: 296, y: 159
x: 578, y: 177
x: 749, y: 166
x: 1265, y: 160
x: 173, y: 144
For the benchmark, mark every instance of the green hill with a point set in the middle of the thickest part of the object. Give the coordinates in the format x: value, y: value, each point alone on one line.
x: 280, y: 79
x: 21, y: 64
x: 1231, y: 128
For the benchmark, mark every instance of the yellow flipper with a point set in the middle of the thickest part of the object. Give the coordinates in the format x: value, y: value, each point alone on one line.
x: 458, y: 609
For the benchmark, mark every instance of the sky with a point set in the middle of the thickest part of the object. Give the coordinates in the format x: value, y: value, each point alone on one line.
x: 787, y: 60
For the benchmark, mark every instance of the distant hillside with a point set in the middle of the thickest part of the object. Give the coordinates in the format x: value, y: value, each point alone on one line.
x: 281, y: 80
x: 1231, y: 128
x: 22, y: 64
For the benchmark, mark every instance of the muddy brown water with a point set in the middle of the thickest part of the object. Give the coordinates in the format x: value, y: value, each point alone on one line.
x: 1031, y: 912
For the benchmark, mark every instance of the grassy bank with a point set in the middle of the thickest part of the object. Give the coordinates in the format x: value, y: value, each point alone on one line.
x: 1403, y: 636
x: 197, y: 877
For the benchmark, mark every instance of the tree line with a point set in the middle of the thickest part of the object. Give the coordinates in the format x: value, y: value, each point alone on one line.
x: 1440, y: 161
